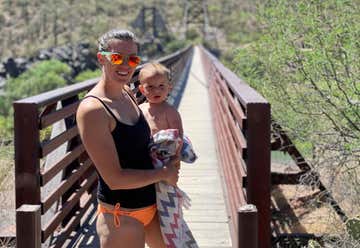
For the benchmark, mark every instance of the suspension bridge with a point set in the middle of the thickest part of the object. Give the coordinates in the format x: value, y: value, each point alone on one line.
x: 232, y: 132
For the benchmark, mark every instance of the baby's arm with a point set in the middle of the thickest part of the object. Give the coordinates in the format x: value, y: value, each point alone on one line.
x: 174, y: 120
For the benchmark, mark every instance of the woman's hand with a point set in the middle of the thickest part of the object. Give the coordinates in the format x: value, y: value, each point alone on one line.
x: 178, y: 153
x: 171, y: 170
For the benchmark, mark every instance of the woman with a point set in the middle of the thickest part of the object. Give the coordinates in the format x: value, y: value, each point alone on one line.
x: 116, y: 137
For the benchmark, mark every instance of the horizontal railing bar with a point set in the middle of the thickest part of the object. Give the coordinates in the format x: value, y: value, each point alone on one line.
x: 74, y: 89
x: 175, y: 55
x: 60, y: 93
x: 238, y: 167
x: 67, y: 207
x: 51, y: 145
x: 69, y: 157
x: 73, y: 222
x: 232, y: 148
x: 236, y: 109
x: 237, y: 170
x: 227, y: 168
x: 243, y: 92
x: 64, y: 186
x: 48, y: 109
x: 222, y: 150
x: 240, y: 139
x: 237, y: 134
x: 229, y: 102
x: 230, y: 191
x: 232, y: 197
x: 60, y: 114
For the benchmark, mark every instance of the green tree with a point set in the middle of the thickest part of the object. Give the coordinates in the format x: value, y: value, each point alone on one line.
x: 306, y: 63
x: 41, y: 77
x: 88, y: 74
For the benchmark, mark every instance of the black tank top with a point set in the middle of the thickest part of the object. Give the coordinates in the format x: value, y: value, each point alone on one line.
x: 132, y: 147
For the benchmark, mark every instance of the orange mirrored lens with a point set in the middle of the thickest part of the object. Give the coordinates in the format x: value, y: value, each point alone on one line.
x: 117, y: 59
x: 134, y: 61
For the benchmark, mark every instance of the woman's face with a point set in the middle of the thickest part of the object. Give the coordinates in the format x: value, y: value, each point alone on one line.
x: 122, y: 73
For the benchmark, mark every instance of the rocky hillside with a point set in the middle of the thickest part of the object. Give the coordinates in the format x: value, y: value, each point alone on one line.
x: 38, y: 24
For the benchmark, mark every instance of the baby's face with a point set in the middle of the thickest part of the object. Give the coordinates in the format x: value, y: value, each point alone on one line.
x: 155, y: 88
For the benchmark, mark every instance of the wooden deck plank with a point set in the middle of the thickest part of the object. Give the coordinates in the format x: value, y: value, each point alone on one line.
x: 207, y: 217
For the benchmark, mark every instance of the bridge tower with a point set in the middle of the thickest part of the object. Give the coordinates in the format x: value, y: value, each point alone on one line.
x: 150, y: 23
x: 196, y: 15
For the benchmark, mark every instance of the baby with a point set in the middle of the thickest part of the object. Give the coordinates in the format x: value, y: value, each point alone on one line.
x: 155, y: 86
x: 167, y: 131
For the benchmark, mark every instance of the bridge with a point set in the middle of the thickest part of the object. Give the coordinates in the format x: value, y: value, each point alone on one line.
x: 231, y: 129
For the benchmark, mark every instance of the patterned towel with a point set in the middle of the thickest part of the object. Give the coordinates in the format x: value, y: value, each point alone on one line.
x: 170, y: 199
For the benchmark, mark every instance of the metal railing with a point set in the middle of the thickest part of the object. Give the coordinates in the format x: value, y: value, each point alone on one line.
x: 40, y: 160
x: 241, y: 119
x: 242, y: 124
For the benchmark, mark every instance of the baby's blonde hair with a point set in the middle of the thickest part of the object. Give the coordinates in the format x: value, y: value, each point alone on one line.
x: 152, y: 69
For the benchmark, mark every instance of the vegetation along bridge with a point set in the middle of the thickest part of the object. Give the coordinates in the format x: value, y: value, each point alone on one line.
x: 231, y: 130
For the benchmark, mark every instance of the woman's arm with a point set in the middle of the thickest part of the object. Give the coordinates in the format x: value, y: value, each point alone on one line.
x: 94, y: 129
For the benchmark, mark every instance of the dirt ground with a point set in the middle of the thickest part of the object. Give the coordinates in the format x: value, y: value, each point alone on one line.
x: 298, y: 209
x: 301, y: 209
x: 7, y: 206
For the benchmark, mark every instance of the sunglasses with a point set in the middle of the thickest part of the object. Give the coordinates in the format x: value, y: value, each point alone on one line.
x: 118, y: 59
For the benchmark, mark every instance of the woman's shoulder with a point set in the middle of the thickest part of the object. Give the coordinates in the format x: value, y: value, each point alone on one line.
x: 90, y: 107
x: 89, y: 103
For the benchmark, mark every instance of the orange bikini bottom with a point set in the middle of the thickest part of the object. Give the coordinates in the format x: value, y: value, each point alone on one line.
x: 144, y: 215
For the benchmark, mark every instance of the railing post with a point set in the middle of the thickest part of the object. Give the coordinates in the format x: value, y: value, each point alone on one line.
x: 27, y: 168
x: 258, y: 167
x: 247, y: 227
x: 28, y: 226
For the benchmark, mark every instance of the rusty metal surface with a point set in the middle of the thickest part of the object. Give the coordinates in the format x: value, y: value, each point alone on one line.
x: 27, y: 165
x: 258, y: 167
x: 28, y: 216
x: 247, y: 226
x: 242, y: 123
